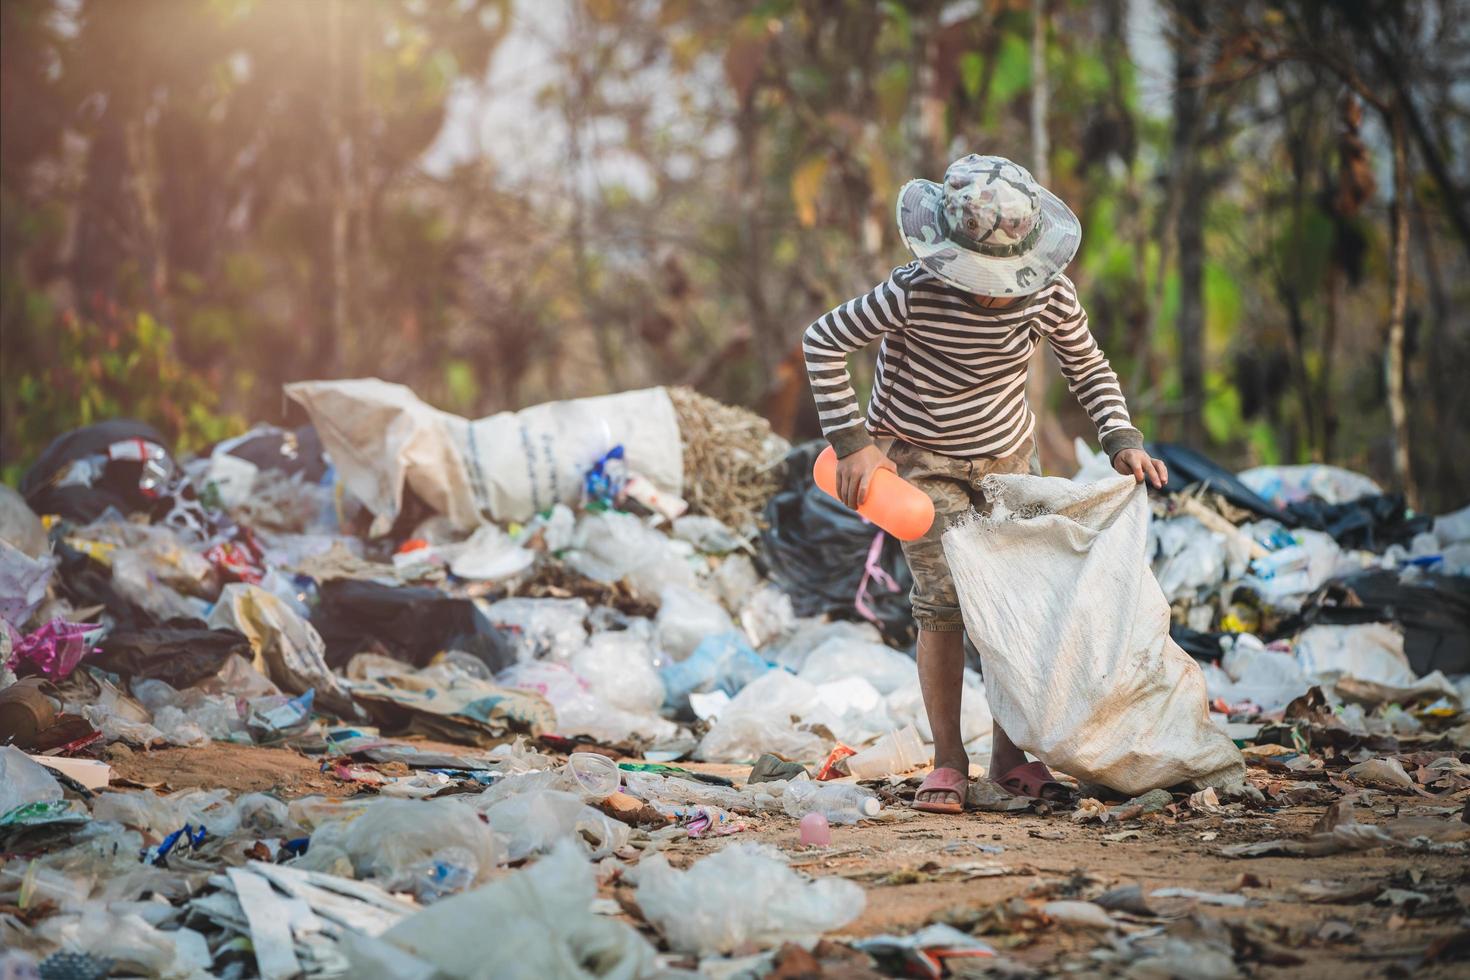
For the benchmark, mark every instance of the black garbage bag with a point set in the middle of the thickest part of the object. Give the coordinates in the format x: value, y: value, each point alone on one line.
x: 411, y: 624
x: 180, y: 652
x: 290, y: 452
x: 816, y: 550
x: 122, y: 464
x: 1433, y: 611
x: 1373, y: 522
x: 1187, y: 466
x: 1204, y: 647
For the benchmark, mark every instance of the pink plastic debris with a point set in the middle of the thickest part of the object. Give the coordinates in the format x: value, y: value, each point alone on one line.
x: 56, y: 648
x: 815, y: 831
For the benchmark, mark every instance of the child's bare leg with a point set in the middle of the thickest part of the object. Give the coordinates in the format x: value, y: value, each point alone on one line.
x: 941, y: 657
x: 1004, y: 756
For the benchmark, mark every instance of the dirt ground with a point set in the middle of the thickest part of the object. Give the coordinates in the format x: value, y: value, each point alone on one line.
x: 922, y: 868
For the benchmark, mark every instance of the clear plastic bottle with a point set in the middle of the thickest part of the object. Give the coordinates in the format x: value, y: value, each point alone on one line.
x: 838, y: 802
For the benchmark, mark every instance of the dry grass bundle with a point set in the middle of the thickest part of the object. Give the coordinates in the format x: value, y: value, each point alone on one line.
x: 732, y: 459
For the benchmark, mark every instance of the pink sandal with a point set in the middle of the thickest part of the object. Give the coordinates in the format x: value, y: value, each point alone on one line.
x: 1036, y: 781
x: 943, y: 780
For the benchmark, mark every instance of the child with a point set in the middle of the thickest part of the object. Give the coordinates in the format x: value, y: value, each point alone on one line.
x: 949, y: 401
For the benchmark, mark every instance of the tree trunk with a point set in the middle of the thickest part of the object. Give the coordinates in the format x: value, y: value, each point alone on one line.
x: 337, y: 195
x: 1394, y: 364
x: 1189, y: 230
x: 1051, y: 439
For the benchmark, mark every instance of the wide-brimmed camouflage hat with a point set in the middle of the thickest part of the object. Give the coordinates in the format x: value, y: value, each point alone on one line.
x: 990, y: 228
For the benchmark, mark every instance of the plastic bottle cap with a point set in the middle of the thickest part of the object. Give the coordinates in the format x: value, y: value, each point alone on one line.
x: 871, y: 806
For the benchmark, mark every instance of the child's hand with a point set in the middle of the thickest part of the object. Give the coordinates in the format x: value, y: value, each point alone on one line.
x: 855, y: 474
x: 1140, y: 463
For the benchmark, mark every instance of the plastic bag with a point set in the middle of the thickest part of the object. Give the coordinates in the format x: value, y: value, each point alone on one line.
x: 537, y: 922
x: 409, y: 624
x: 618, y: 666
x: 182, y: 656
x: 416, y: 845
x: 612, y: 547
x: 685, y: 618
x: 287, y: 649
x: 578, y: 710
x: 532, y: 822
x: 1074, y: 635
x: 767, y: 615
x: 540, y: 629
x: 707, y: 534
x: 56, y: 648
x: 759, y: 720
x: 23, y: 781
x: 882, y: 666
x: 724, y: 662
x: 791, y: 651
x: 744, y: 894
x: 1192, y: 559
x: 160, y: 816
x: 1368, y: 652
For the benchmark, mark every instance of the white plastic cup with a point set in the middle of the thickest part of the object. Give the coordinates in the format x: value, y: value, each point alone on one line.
x: 895, y: 752
x: 596, y: 775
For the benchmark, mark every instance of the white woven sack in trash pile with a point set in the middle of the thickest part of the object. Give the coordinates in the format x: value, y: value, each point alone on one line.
x: 1073, y: 632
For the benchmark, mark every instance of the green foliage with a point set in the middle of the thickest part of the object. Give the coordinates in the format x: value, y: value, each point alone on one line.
x: 117, y: 364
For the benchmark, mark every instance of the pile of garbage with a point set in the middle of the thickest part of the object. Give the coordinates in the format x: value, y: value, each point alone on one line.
x: 520, y: 650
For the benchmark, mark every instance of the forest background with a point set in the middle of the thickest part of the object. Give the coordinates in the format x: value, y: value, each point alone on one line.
x: 501, y: 202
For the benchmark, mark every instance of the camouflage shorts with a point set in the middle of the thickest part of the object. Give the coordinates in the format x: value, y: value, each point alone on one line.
x: 954, y: 486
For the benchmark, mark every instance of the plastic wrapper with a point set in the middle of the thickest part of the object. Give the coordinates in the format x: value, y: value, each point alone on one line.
x: 539, y: 629
x: 532, y: 822
x: 767, y: 615
x: 23, y: 781
x: 618, y: 667
x: 685, y: 618
x: 286, y: 647
x: 1192, y: 560
x: 742, y: 895
x: 735, y: 580
x: 216, y: 716
x: 536, y: 922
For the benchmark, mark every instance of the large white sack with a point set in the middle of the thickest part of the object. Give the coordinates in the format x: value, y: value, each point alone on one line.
x: 504, y: 467
x: 1073, y: 633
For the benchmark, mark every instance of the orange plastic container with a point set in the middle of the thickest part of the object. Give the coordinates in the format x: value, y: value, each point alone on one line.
x: 894, y: 504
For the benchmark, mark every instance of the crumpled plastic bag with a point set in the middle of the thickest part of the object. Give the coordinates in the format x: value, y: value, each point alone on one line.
x: 612, y: 547
x: 745, y: 893
x: 882, y: 666
x: 686, y: 617
x: 415, y: 845
x: 287, y: 648
x: 759, y: 720
x: 162, y: 815
x: 578, y: 710
x: 532, y: 822
x: 56, y: 648
x: 618, y: 666
x: 540, y: 629
x: 1073, y: 632
x: 531, y: 924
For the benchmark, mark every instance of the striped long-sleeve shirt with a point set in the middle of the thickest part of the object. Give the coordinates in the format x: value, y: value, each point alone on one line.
x: 951, y: 373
